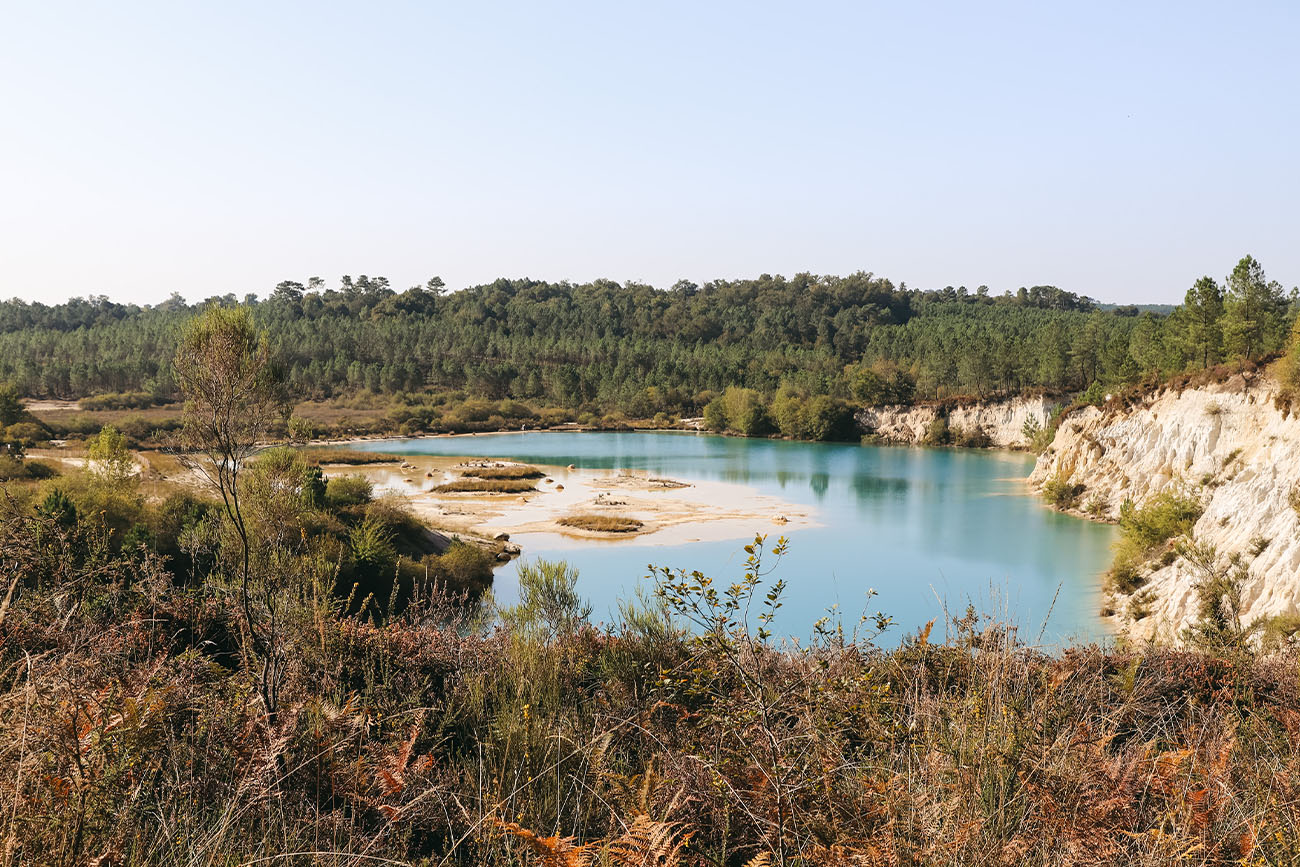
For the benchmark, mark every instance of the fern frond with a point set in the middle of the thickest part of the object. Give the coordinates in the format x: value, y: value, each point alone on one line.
x: 647, y: 843
x: 553, y: 851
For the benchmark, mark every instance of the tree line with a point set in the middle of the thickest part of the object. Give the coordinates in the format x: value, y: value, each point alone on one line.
x: 640, y: 350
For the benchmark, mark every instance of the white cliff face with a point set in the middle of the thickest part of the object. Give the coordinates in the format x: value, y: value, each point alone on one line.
x: 1226, y: 444
x: 1003, y: 420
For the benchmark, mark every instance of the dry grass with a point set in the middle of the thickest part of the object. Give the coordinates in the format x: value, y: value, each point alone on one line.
x: 508, y: 471
x: 350, y: 457
x: 601, y: 523
x: 127, y: 734
x: 487, y: 486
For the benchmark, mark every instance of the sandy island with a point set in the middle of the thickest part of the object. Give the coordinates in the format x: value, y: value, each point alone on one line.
x: 670, y: 512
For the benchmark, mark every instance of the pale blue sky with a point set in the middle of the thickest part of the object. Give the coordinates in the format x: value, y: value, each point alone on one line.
x: 1114, y: 149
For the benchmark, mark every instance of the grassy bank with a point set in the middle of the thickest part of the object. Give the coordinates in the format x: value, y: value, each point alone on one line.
x: 133, y: 731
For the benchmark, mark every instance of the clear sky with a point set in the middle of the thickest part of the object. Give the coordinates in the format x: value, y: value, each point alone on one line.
x: 1119, y: 150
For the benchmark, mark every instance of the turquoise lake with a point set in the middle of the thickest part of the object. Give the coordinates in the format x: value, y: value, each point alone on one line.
x: 918, y: 525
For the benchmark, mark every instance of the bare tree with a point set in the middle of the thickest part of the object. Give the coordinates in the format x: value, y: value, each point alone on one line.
x: 232, y: 397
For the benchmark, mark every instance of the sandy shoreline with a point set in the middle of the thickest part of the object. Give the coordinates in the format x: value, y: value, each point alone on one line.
x: 671, y: 512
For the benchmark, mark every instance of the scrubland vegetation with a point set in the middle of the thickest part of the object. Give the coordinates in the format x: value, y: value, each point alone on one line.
x: 487, y: 486
x: 135, y: 728
x: 508, y: 471
x: 601, y: 523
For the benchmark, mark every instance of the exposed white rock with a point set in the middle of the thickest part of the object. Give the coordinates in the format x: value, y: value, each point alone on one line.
x: 1003, y: 420
x: 1226, y: 443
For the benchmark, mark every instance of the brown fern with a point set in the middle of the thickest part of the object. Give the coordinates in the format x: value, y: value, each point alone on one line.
x: 647, y: 843
x: 553, y: 851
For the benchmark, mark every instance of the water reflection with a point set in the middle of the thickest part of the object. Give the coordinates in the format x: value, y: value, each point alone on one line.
x: 913, y: 523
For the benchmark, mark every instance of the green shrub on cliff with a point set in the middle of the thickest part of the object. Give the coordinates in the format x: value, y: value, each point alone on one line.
x: 1144, y: 532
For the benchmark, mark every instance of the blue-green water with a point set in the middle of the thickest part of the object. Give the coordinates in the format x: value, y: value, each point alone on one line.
x: 917, y: 525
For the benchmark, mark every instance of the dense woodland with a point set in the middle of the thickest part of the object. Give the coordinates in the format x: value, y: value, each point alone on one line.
x: 602, y: 347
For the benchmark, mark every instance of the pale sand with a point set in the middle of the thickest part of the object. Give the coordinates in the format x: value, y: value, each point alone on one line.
x: 703, y: 511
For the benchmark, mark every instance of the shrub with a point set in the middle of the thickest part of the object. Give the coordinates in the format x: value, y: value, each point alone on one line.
x: 118, y: 400
x: 487, y: 486
x: 1060, y: 493
x: 937, y: 433
x: 108, y: 458
x: 300, y: 429
x: 342, y: 491
x: 1145, y: 530
x: 715, y: 415
x: 1094, y: 395
x: 504, y: 472
x: 25, y: 432
x: 972, y: 438
x: 1164, y: 517
x: 601, y: 523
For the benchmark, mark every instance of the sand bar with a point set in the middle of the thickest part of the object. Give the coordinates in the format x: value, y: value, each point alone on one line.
x: 671, y: 511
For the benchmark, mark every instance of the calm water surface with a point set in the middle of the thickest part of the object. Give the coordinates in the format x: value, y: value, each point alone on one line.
x: 917, y: 525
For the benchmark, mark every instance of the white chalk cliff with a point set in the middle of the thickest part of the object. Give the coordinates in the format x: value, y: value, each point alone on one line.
x: 1225, y: 443
x: 1003, y: 420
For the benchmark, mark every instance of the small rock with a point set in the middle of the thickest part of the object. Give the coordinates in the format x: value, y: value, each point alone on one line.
x: 502, y: 537
x: 571, y: 467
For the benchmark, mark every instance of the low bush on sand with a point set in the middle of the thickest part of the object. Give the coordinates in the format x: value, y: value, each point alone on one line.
x: 512, y: 471
x: 602, y: 523
x: 486, y: 486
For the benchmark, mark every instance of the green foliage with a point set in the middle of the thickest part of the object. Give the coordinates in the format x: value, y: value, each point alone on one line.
x: 1059, y: 492
x: 799, y: 415
x: 1254, y: 312
x: 1038, y: 436
x: 1202, y: 320
x: 1218, y: 626
x: 1094, y: 394
x: 1163, y: 517
x: 58, y: 508
x: 109, y: 459
x: 937, y: 432
x: 549, y: 603
x: 11, y: 405
x: 1145, y: 531
x: 881, y: 383
x: 300, y: 429
x: 715, y: 415
x: 344, y: 491
x: 118, y: 400
x: 371, y: 546
x: 464, y: 568
x: 746, y: 412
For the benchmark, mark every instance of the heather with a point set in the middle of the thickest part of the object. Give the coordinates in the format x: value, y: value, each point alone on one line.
x: 136, y: 728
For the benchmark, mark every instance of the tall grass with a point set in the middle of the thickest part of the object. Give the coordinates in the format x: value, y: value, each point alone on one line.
x: 131, y: 731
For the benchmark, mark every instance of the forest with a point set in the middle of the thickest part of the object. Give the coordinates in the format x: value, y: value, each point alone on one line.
x: 641, y: 352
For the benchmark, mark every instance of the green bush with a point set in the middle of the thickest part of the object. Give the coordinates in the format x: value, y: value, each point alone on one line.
x: 937, y: 433
x: 1164, y: 517
x: 1061, y: 494
x: 972, y: 438
x: 1144, y: 531
x: 343, y: 491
